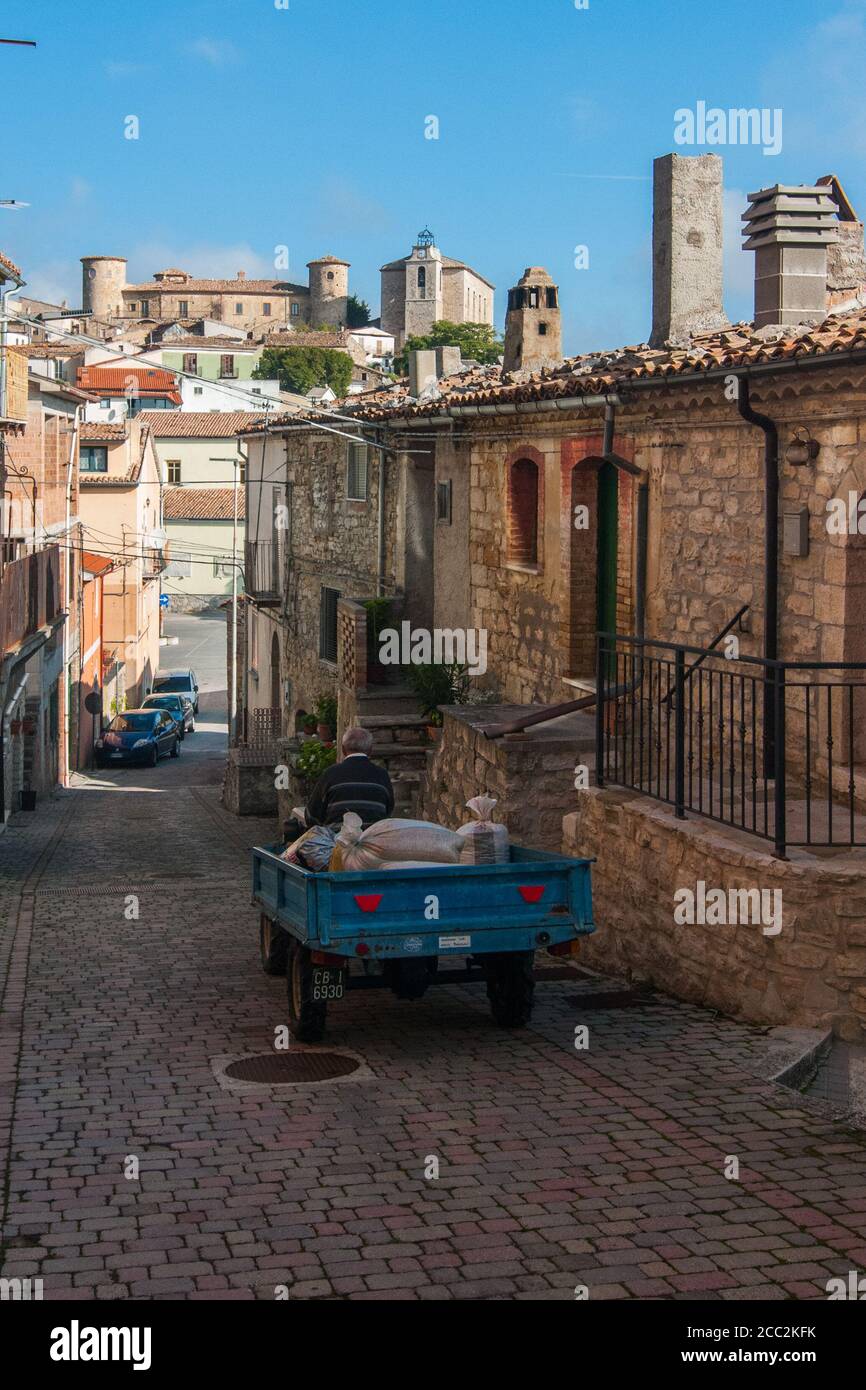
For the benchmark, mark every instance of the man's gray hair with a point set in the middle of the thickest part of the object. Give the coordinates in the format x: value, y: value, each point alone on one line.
x: 357, y: 740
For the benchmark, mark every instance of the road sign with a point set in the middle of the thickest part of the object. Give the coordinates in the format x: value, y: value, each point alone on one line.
x: 164, y: 600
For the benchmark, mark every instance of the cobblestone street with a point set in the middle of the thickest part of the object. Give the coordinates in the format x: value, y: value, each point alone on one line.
x: 557, y: 1168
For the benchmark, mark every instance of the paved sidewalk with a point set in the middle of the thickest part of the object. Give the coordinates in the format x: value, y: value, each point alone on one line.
x: 557, y: 1168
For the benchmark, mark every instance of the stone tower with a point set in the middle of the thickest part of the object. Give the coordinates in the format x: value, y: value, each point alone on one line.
x: 329, y: 291
x: 425, y: 291
x: 533, y: 323
x: 687, y: 247
x: 103, y: 279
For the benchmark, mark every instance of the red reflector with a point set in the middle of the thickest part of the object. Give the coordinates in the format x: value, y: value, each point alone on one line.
x: 368, y: 902
x: 532, y: 893
x: 362, y: 949
x: 327, y: 958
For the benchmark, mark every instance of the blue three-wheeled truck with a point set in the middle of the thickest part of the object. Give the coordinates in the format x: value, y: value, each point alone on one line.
x: 398, y: 925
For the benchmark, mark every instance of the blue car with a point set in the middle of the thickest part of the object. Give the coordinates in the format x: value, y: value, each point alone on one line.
x: 138, y: 736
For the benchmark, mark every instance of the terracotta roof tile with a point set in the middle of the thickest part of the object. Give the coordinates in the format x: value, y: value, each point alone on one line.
x: 9, y: 266
x: 199, y: 424
x: 202, y: 504
x: 150, y: 381
x: 93, y: 431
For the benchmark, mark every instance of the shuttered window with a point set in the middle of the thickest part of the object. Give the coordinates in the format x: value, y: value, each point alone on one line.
x: 328, y: 624
x: 356, y: 473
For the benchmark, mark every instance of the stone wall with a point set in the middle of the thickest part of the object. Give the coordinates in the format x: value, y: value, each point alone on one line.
x: 811, y: 974
x: 530, y: 774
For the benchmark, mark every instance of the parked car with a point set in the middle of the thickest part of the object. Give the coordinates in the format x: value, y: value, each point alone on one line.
x: 179, y: 707
x: 138, y: 736
x: 177, y: 683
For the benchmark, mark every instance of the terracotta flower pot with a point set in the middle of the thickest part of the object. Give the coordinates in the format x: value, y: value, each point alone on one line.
x: 434, y: 732
x: 325, y: 733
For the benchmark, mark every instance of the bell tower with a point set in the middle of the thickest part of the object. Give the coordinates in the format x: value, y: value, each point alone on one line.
x: 533, y: 323
x: 425, y: 294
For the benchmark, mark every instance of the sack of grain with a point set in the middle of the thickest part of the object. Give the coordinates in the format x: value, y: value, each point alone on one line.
x: 484, y: 840
x: 393, y: 841
x: 313, y: 849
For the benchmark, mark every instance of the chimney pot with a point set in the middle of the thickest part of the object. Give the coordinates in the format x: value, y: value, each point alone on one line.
x: 790, y: 228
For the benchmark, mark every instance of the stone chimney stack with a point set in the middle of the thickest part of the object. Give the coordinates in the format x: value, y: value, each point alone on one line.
x: 789, y: 228
x: 687, y: 247
x: 533, y: 323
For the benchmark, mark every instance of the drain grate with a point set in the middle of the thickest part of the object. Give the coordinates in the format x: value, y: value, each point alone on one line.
x: 615, y: 999
x: 285, y: 1068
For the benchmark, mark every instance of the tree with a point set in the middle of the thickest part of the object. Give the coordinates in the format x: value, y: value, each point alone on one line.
x: 357, y: 312
x: 299, y: 369
x: 477, y: 341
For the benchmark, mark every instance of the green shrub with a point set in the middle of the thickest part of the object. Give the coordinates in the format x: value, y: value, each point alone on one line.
x: 312, y: 759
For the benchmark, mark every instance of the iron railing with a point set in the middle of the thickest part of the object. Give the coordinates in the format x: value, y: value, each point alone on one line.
x: 773, y: 748
x: 263, y: 570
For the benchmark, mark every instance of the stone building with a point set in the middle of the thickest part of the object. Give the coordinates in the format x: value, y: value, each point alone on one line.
x: 255, y: 305
x: 705, y: 487
x: 533, y: 323
x: 424, y: 287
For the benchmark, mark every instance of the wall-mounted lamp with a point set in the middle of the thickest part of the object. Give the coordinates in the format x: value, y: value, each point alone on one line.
x: 802, y: 449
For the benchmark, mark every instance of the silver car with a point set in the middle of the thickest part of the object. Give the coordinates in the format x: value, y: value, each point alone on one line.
x: 177, y: 683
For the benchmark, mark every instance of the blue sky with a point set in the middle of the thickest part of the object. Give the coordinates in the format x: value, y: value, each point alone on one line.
x: 305, y: 127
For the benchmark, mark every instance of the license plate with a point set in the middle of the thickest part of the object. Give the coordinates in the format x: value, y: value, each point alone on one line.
x: 328, y: 983
x: 117, y: 755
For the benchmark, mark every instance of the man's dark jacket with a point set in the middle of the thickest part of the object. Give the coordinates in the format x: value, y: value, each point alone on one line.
x: 356, y: 784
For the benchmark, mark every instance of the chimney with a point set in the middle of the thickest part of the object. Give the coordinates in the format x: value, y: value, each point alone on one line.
x: 422, y: 371
x: 789, y: 228
x: 846, y: 257
x: 687, y: 247
x: 448, y: 361
x: 242, y: 275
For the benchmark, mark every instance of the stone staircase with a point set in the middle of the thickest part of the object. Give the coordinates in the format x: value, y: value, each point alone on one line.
x: 400, y: 743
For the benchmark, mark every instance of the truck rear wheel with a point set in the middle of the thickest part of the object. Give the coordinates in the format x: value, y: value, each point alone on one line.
x: 510, y: 987
x: 306, y: 1019
x: 273, y: 946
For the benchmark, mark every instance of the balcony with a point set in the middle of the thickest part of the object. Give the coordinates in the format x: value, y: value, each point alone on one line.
x: 263, y: 566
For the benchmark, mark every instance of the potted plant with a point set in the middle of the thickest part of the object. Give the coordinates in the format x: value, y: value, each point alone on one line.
x: 444, y: 683
x: 308, y: 724
x: 325, y: 711
x: 312, y: 759
x: 379, y: 616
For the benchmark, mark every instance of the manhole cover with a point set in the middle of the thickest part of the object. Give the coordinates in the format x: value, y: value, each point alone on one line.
x: 614, y: 999
x: 284, y: 1068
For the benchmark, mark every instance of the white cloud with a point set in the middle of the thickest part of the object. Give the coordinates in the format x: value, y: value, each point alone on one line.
x: 343, y: 207
x: 219, y: 53
x: 818, y: 82
x: 54, y: 282
x: 201, y: 259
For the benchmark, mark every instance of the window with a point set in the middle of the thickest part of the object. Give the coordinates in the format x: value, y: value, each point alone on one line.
x: 542, y: 329
x: 93, y: 458
x: 197, y: 390
x: 422, y: 278
x: 222, y: 569
x: 328, y: 624
x: 172, y: 468
x: 239, y: 308
x: 227, y: 365
x: 551, y: 297
x: 266, y: 309
x: 443, y: 501
x: 145, y: 308
x: 183, y: 307
x: 295, y: 310
x: 190, y: 362
x: 356, y: 473
x: 533, y: 298
x: 523, y: 512
x: 131, y: 306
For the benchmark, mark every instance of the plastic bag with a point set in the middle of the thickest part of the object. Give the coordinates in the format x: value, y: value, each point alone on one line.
x: 313, y: 849
x: 484, y: 840
x: 393, y: 841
